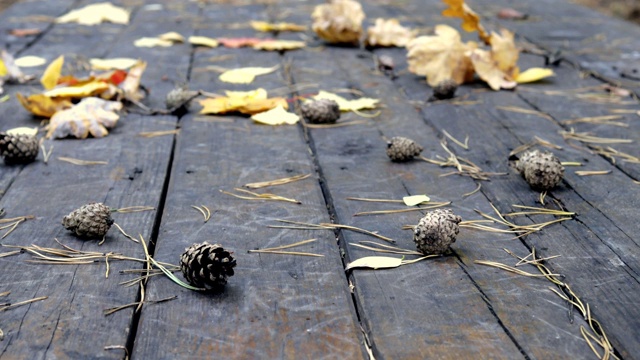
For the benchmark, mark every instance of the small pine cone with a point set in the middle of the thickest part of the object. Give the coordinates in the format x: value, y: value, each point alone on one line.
x: 323, y: 111
x: 18, y: 149
x: 207, y: 265
x: 401, y: 149
x: 91, y: 221
x: 542, y: 170
x: 436, y: 231
x: 179, y: 96
x: 445, y: 89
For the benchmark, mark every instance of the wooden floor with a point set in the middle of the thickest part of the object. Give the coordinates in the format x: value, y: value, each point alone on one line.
x: 295, y: 307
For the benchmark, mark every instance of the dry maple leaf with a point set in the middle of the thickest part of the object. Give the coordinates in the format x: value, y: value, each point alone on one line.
x: 441, y: 57
x: 246, y: 102
x: 339, y: 21
x: 90, y: 116
x: 499, y: 66
x: 470, y: 19
x: 95, y: 14
x: 389, y: 32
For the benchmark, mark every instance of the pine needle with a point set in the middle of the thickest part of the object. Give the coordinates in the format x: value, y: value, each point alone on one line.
x: 593, y: 172
x: 611, y: 154
x: 336, y: 125
x: 256, y: 196
x: 536, y: 141
x: 599, y: 120
x: 329, y: 226
x: 375, y: 200
x: 586, y: 137
x: 9, y: 253
x: 124, y: 233
x: 385, y: 248
x: 152, y: 134
x: 9, y: 306
x: 432, y: 205
x: 570, y: 163
x: 132, y: 209
x: 464, y: 166
x: 472, y: 192
x: 113, y: 310
x: 525, y: 111
x: 204, y: 211
x: 275, y: 182
x: 81, y: 162
x: 464, y: 145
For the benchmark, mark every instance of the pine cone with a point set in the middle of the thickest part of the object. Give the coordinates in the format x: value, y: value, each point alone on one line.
x: 543, y: 171
x: 323, y: 111
x: 91, y: 221
x: 401, y: 149
x: 18, y: 149
x: 436, y: 231
x: 207, y: 266
x: 179, y: 96
x: 445, y: 89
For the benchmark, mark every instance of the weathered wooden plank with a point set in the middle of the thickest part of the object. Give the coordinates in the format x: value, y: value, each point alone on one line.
x: 276, y: 306
x: 70, y: 322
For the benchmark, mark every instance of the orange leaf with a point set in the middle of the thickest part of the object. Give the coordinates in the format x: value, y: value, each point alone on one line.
x: 42, y: 105
x: 470, y: 19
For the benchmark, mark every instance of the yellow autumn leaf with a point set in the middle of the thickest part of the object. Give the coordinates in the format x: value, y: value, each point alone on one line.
x: 470, y: 19
x: 441, y: 57
x: 499, y: 66
x: 415, y: 200
x: 90, y: 116
x: 339, y: 21
x: 203, y: 41
x: 246, y: 102
x: 172, y: 36
x: 276, y: 116
x: 3, y: 69
x: 487, y: 70
x: 533, y: 74
x: 112, y: 64
x: 95, y: 14
x: 279, y: 45
x: 244, y: 75
x: 51, y: 74
x: 23, y: 131
x: 79, y: 91
x: 504, y: 52
x: 41, y: 105
x: 348, y: 105
x: 281, y: 26
x: 152, y: 42
x: 375, y: 262
x: 30, y: 61
x: 389, y: 32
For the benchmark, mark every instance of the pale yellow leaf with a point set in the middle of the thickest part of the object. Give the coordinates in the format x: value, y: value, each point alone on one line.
x: 246, y: 102
x: 172, y: 36
x: 95, y: 14
x: 279, y: 45
x: 84, y: 90
x: 487, y: 69
x: 348, y: 105
x: 533, y: 74
x: 414, y: 200
x: 203, y: 41
x: 131, y: 84
x: 389, y: 32
x: 30, y: 61
x: 152, y: 42
x: 3, y: 69
x: 112, y: 64
x: 22, y: 131
x: 51, y: 74
x: 375, y: 262
x: 276, y: 116
x: 244, y: 75
x: 281, y: 26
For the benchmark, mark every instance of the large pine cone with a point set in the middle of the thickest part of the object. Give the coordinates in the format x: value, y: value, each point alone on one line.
x: 401, y: 149
x: 436, y: 231
x: 542, y: 170
x: 91, y: 221
x: 207, y: 265
x: 323, y: 111
x: 18, y: 149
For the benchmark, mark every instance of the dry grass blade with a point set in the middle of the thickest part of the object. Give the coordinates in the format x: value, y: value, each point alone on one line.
x: 275, y: 182
x: 46, y: 154
x: 464, y: 145
x: 593, y: 172
x: 113, y: 310
x: 509, y: 268
x: 525, y: 111
x: 432, y: 205
x: 362, y: 231
x: 386, y: 248
x: 124, y: 233
x: 374, y: 200
x: 81, y: 162
x: 256, y: 196
x: 585, y: 137
x: 152, y: 134
x: 278, y: 249
x: 611, y: 154
x: 598, y: 120
x: 472, y: 192
x: 204, y: 211
x: 9, y: 306
x: 464, y: 167
x: 9, y: 253
x: 132, y: 209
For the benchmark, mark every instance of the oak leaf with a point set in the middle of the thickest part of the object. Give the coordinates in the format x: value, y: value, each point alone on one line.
x: 441, y: 57
x: 276, y: 116
x: 90, y: 116
x: 281, y: 26
x: 389, y: 32
x: 41, y: 105
x: 246, y: 102
x: 339, y: 21
x: 95, y: 14
x: 470, y: 19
